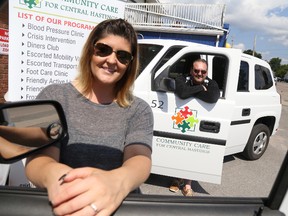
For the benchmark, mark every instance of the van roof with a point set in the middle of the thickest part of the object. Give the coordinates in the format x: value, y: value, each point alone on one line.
x: 170, y: 42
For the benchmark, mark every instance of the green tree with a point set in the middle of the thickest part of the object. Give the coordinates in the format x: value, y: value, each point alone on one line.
x: 250, y: 52
x: 281, y: 71
x: 275, y: 64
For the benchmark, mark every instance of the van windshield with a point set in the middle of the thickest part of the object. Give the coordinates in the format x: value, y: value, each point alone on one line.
x: 146, y: 53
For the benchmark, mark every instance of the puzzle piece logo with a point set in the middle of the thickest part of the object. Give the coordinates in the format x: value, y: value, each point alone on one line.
x: 185, y: 119
x: 31, y: 3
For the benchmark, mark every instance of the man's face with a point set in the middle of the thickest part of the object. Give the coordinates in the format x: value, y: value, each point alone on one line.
x: 199, y: 72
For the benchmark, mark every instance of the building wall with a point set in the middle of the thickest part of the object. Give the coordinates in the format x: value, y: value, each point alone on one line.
x: 3, y: 58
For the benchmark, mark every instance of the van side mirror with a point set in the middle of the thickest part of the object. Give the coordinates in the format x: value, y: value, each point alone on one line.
x: 167, y: 84
x: 29, y: 126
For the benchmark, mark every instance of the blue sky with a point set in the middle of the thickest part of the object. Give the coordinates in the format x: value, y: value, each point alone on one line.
x: 265, y: 21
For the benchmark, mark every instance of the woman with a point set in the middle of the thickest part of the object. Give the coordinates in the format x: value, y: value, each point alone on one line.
x: 108, y: 152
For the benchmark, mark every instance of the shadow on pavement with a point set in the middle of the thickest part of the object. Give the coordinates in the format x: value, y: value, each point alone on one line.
x: 165, y: 182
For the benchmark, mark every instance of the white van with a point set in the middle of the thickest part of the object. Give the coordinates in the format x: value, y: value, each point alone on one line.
x: 192, y: 136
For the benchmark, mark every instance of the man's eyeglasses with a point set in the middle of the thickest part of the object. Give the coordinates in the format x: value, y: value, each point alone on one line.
x: 103, y: 50
x: 198, y: 71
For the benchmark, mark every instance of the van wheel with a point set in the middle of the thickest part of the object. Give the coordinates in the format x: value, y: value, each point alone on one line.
x: 257, y: 142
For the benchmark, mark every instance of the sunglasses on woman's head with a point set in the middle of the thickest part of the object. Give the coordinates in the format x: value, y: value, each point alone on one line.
x: 104, y: 50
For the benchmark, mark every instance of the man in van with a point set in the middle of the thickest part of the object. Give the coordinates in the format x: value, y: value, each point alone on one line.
x: 196, y: 85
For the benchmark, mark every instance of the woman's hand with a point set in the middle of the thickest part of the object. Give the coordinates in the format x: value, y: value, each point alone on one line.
x: 87, y: 191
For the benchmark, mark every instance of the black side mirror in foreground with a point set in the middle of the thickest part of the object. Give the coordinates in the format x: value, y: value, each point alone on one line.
x: 29, y: 126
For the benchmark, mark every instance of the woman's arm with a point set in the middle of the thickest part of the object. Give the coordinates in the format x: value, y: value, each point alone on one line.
x: 30, y: 136
x: 10, y: 150
x: 105, y: 189
x: 44, y: 170
x: 137, y: 164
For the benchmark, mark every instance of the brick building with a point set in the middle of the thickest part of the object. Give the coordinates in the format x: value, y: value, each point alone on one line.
x: 3, y: 58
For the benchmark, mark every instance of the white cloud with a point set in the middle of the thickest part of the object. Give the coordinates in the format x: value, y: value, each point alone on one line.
x: 239, y: 46
x: 266, y: 19
x: 257, y: 15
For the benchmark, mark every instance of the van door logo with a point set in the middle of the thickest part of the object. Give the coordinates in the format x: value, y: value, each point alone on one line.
x: 185, y: 119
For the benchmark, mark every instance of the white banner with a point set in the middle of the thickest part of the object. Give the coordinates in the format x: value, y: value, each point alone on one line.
x: 46, y: 39
x: 4, y: 41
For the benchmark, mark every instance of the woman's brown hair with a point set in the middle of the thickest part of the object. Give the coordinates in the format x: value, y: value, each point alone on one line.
x: 123, y: 88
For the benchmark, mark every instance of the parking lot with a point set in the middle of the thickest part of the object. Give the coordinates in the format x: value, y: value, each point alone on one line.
x: 240, y: 178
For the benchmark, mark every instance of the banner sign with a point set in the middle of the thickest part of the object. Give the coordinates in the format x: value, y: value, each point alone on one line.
x: 46, y: 39
x: 4, y: 41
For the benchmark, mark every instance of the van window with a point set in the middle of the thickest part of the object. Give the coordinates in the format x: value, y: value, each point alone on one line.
x: 183, y: 65
x: 166, y: 57
x: 169, y: 54
x: 263, y: 78
x: 217, y: 69
x: 146, y: 53
x: 243, y: 81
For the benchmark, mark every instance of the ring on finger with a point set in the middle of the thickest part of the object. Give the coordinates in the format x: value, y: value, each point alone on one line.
x: 94, y: 207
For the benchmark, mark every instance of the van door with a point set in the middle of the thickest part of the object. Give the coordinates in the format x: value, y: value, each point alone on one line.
x: 189, y: 135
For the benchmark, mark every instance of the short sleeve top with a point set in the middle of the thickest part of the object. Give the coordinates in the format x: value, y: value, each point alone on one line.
x: 99, y: 133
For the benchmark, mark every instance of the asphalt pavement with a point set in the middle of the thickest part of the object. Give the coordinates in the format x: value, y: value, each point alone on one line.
x: 240, y: 178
